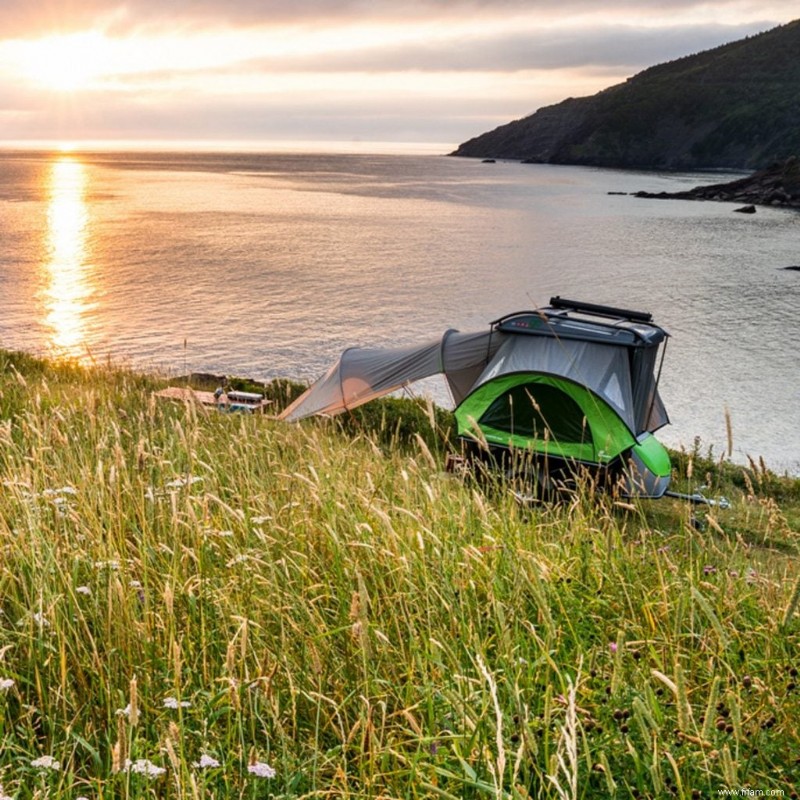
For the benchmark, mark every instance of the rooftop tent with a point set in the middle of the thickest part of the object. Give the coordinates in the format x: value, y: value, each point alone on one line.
x: 574, y: 382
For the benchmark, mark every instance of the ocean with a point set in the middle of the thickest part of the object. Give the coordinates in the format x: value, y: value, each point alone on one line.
x: 268, y: 265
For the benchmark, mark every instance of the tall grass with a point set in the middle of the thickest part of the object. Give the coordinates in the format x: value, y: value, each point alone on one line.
x: 193, y: 600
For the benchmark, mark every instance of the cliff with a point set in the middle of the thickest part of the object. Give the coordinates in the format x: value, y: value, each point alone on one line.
x: 735, y: 107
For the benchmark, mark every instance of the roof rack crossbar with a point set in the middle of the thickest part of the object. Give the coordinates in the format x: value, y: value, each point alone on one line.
x: 515, y: 314
x: 604, y: 311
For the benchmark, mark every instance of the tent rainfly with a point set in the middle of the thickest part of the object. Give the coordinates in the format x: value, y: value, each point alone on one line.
x: 572, y: 384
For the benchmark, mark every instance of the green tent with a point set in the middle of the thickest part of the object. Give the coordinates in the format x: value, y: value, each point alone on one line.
x: 568, y: 386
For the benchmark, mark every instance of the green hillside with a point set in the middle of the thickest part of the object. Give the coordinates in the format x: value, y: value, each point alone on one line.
x: 204, y: 605
x: 736, y: 106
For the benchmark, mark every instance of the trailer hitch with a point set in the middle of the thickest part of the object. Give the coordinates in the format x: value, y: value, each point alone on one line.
x: 700, y: 500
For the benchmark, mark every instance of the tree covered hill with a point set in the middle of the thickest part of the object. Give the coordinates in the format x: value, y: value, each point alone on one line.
x: 736, y: 106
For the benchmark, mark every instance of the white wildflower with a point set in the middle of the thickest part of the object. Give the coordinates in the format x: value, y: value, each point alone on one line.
x: 71, y: 490
x: 124, y: 712
x: 180, y: 482
x: 6, y: 684
x: 41, y: 620
x: 261, y: 769
x: 112, y: 565
x: 135, y: 585
x: 144, y: 767
x: 83, y: 590
x: 206, y: 762
x: 172, y: 702
x: 224, y: 534
x: 240, y: 559
x: 46, y: 762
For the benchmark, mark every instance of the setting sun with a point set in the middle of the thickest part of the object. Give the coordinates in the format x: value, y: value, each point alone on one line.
x: 65, y: 63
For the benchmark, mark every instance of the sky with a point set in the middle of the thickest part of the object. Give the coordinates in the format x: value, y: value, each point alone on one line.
x: 353, y: 72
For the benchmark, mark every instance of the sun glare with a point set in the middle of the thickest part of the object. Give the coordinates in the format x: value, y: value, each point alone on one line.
x: 66, y: 63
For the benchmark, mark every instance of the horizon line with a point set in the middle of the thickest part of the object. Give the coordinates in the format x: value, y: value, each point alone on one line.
x: 282, y: 146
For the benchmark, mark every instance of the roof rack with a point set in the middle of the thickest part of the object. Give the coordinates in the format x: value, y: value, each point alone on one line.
x: 603, y: 311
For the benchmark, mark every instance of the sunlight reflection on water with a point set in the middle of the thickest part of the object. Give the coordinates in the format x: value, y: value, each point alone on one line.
x: 68, y: 289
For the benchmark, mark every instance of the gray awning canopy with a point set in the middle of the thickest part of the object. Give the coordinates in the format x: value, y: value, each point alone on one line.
x: 363, y: 374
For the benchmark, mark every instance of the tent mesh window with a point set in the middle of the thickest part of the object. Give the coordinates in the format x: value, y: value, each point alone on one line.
x: 531, y: 409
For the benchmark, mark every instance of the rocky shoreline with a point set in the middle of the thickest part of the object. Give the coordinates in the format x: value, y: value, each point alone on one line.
x: 777, y: 185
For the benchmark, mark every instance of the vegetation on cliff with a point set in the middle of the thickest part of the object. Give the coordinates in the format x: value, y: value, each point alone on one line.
x: 197, y: 604
x: 731, y: 107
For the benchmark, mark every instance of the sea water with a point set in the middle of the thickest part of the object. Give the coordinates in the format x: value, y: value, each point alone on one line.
x: 270, y: 265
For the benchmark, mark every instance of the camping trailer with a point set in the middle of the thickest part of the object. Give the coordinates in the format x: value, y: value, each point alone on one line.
x: 570, y: 386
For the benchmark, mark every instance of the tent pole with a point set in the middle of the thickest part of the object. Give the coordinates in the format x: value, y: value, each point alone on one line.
x: 658, y: 380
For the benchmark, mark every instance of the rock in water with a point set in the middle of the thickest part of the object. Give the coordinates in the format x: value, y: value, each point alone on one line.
x: 778, y: 185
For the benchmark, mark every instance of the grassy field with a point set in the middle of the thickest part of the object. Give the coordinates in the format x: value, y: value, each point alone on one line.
x: 207, y: 605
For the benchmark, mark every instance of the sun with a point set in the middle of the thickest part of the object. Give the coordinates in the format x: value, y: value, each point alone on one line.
x: 66, y: 62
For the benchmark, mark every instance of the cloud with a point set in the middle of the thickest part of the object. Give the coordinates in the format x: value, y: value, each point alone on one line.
x: 616, y: 47
x: 26, y: 18
x: 314, y: 69
x: 306, y: 116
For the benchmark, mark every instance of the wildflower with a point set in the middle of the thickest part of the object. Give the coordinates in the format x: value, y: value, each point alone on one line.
x: 40, y: 620
x: 172, y: 702
x: 124, y: 712
x: 206, y: 762
x: 179, y: 482
x: 709, y: 570
x: 261, y: 769
x: 112, y: 564
x: 144, y: 767
x: 46, y: 762
x: 613, y: 647
x: 135, y: 585
x: 751, y: 576
x: 6, y: 684
x: 55, y: 493
x: 83, y: 590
